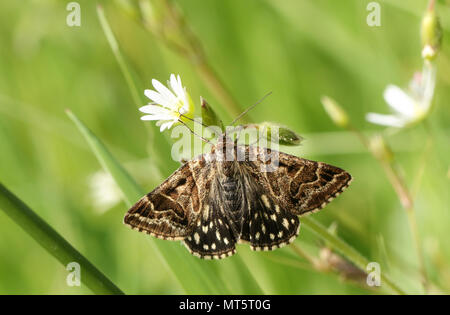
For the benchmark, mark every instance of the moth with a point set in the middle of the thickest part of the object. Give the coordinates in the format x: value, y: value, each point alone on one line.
x: 234, y: 194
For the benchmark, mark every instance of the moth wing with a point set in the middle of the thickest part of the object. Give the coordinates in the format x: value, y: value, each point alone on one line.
x: 267, y: 225
x: 212, y: 236
x: 171, y: 209
x: 298, y: 185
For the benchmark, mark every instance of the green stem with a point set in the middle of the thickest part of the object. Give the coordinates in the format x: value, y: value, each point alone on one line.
x: 118, y: 55
x: 407, y: 202
x: 302, y: 253
x: 215, y: 84
x: 347, y: 251
x: 54, y: 243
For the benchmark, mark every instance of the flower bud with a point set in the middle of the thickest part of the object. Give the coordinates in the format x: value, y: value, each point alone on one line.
x: 329, y: 260
x: 281, y: 134
x: 336, y: 113
x: 209, y: 117
x: 431, y: 32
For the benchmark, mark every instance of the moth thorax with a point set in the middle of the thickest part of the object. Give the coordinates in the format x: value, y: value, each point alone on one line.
x: 227, y: 150
x: 227, y: 169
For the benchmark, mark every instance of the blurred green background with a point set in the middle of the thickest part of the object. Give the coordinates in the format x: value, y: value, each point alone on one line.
x: 298, y: 49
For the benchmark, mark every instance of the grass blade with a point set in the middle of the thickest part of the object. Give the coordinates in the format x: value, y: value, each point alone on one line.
x: 54, y: 243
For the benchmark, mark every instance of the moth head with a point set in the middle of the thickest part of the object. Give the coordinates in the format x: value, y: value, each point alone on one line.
x: 225, y: 148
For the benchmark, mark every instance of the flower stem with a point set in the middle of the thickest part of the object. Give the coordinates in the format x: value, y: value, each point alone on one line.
x: 54, y: 243
x: 407, y: 203
x: 215, y: 84
x: 302, y: 253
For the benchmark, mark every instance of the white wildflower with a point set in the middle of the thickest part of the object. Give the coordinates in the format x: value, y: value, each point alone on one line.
x: 168, y: 105
x: 409, y: 106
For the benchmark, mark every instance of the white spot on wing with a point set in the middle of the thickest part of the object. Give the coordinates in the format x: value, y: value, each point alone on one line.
x: 277, y: 208
x: 197, y: 238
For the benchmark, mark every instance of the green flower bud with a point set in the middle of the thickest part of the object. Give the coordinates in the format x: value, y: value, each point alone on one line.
x: 281, y: 134
x: 209, y: 117
x: 431, y: 32
x: 336, y: 113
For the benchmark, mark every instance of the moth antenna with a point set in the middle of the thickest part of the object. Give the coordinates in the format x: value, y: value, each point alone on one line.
x: 191, y: 119
x: 195, y: 134
x: 249, y: 108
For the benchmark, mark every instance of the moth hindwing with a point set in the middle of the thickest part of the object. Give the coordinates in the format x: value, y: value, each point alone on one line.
x: 211, y: 204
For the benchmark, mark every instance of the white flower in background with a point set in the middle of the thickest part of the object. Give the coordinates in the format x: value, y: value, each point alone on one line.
x: 409, y: 106
x: 168, y: 105
x: 104, y: 191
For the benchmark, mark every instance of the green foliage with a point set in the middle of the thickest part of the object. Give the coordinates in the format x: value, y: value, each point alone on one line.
x: 300, y: 50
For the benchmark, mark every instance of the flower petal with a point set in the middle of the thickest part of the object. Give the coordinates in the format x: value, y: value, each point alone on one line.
x: 156, y: 117
x: 399, y: 100
x: 183, y: 92
x: 177, y: 87
x: 158, y: 98
x: 173, y: 83
x: 386, y: 120
x: 166, y: 125
x: 154, y: 109
x: 165, y: 92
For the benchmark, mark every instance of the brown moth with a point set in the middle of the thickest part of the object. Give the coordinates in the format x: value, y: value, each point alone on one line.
x: 211, y: 202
